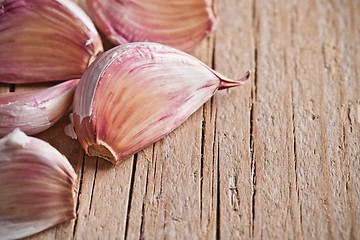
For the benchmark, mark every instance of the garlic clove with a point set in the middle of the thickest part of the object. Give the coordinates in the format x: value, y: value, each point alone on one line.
x: 137, y: 93
x: 37, y: 186
x: 180, y: 24
x: 45, y: 40
x: 37, y: 110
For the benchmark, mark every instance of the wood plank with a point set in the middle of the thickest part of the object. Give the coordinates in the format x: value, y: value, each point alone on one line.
x: 313, y: 165
x: 208, y: 167
x: 234, y: 54
x: 103, y: 207
x: 349, y: 38
x: 276, y: 209
x: 336, y: 109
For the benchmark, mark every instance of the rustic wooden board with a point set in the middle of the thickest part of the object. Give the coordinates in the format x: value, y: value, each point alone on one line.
x: 278, y: 158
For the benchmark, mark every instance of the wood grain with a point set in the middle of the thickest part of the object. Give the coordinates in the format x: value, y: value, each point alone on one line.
x: 277, y: 158
x: 233, y: 42
x: 275, y: 196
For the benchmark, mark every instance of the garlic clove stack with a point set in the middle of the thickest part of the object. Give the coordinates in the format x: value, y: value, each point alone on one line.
x: 35, y: 111
x: 136, y: 93
x: 180, y: 24
x: 45, y: 40
x: 37, y: 186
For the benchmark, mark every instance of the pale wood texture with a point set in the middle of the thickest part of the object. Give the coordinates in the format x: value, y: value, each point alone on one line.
x: 278, y: 158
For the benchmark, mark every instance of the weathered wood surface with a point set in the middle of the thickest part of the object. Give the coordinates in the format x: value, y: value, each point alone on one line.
x: 278, y: 158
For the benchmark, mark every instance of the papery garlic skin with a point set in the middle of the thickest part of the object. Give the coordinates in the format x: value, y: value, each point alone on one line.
x: 180, y: 24
x: 45, y: 40
x: 37, y: 110
x: 37, y: 186
x: 135, y: 94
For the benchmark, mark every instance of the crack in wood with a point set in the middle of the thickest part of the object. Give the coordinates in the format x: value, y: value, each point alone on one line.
x: 213, y: 110
x: 161, y: 182
x: 132, y: 181
x: 214, y: 178
x: 12, y: 88
x: 349, y: 118
x: 213, y: 60
x: 93, y: 184
x: 326, y: 65
x: 79, y: 192
x: 155, y: 168
x: 142, y: 225
x: 295, y: 150
x: 214, y: 139
x: 253, y: 168
x: 234, y: 194
x: 296, y: 159
x: 164, y: 225
x: 157, y: 196
x: 211, y: 105
x: 218, y: 207
x: 255, y: 27
x: 252, y: 120
x: 202, y: 160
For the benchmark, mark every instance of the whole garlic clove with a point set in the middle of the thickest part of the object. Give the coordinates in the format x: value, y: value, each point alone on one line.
x: 37, y: 186
x: 45, y: 40
x: 136, y: 93
x: 35, y: 111
x: 180, y: 24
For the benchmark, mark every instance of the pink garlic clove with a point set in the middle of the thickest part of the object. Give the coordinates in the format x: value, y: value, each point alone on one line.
x: 135, y: 94
x: 37, y: 186
x: 35, y: 111
x: 45, y: 40
x: 180, y: 24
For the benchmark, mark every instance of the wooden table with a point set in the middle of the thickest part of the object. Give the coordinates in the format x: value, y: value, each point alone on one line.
x: 278, y: 158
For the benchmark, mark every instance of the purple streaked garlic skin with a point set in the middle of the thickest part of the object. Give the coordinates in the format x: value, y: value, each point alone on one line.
x: 37, y: 186
x: 45, y: 40
x: 135, y: 94
x: 179, y: 24
x: 37, y: 110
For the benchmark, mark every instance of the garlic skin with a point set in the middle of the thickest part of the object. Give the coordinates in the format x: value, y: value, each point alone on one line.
x: 135, y: 94
x: 35, y: 111
x: 45, y: 40
x: 37, y: 186
x: 179, y: 24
